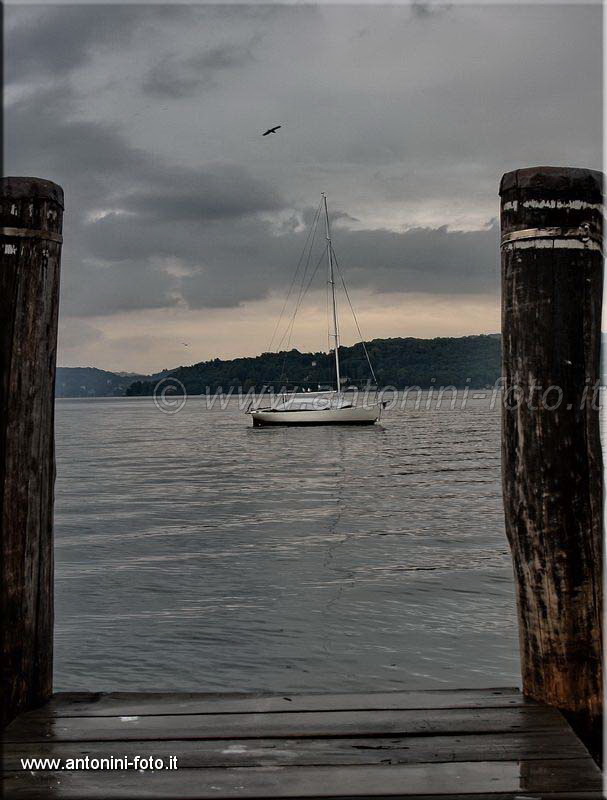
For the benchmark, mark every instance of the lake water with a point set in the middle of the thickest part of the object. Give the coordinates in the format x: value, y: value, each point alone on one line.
x: 195, y: 552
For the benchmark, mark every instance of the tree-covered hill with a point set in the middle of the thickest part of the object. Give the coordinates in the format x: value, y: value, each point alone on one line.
x: 467, y: 361
x: 93, y: 382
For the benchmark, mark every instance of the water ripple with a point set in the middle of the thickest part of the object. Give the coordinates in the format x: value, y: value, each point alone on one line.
x: 194, y: 552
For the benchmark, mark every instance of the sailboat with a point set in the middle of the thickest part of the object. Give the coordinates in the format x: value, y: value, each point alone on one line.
x: 333, y: 407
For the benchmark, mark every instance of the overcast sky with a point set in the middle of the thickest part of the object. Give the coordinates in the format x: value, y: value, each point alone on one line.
x: 184, y: 224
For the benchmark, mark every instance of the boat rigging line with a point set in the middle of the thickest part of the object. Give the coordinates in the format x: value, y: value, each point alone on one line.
x: 304, y: 286
x: 362, y: 341
x: 292, y: 323
x: 311, y: 233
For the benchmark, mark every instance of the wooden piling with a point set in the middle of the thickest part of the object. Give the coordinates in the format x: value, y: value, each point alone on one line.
x: 552, y: 277
x: 31, y: 212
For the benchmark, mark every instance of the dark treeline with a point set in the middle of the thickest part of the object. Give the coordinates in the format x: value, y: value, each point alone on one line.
x: 93, y: 382
x: 467, y: 361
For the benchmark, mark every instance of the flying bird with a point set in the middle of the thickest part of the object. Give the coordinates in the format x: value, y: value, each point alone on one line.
x: 185, y: 344
x: 272, y: 130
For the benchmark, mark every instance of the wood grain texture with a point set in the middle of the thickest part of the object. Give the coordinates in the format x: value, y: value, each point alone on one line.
x: 471, y: 779
x: 333, y: 751
x: 29, y: 302
x: 551, y: 454
x: 294, y: 725
x: 460, y: 752
x: 108, y: 704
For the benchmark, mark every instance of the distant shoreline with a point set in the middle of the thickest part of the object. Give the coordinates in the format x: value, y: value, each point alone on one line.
x: 464, y: 362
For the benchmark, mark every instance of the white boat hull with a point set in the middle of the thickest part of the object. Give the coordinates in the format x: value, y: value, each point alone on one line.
x: 362, y: 415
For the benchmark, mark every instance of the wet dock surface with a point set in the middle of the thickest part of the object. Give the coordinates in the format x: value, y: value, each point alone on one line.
x: 457, y: 744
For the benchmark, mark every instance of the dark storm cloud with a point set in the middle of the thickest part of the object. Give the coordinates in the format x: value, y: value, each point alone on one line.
x: 225, y: 265
x: 45, y: 134
x: 423, y: 260
x: 192, y: 206
x: 156, y: 210
x: 113, y: 172
x: 218, y: 192
x: 104, y: 288
x: 50, y: 41
x: 175, y: 77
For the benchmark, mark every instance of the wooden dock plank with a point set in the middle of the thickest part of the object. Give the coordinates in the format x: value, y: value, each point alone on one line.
x: 460, y: 746
x: 87, y: 704
x: 481, y: 779
x: 283, y: 724
x: 524, y: 746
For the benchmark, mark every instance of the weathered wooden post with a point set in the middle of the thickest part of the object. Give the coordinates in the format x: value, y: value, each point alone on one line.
x: 31, y: 212
x: 552, y: 278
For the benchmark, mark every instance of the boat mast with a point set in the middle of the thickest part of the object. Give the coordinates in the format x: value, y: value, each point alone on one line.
x: 331, y: 281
